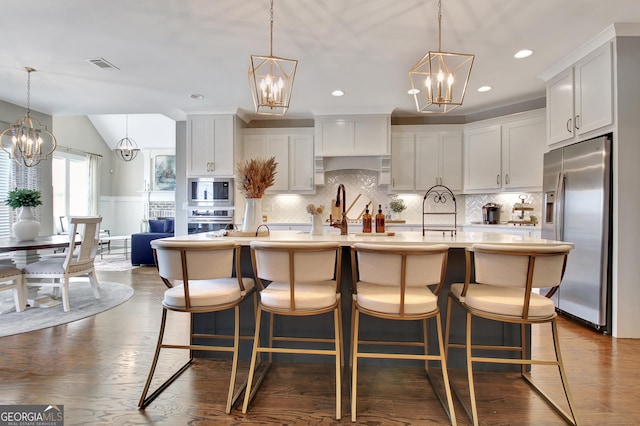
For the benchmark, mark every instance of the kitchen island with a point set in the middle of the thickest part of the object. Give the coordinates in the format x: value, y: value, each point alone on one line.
x: 492, y: 332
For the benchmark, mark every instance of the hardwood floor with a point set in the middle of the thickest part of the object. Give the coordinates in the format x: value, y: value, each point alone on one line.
x: 96, y: 368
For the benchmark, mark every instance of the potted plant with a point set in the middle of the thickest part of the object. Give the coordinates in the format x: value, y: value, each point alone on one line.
x: 397, y: 206
x: 254, y: 177
x: 26, y: 228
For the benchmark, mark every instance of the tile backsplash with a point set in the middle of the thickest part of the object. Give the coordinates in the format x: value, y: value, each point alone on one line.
x: 291, y: 208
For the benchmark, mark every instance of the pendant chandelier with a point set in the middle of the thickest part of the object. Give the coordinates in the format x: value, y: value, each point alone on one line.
x: 127, y: 149
x: 27, y: 141
x: 271, y: 80
x: 439, y: 80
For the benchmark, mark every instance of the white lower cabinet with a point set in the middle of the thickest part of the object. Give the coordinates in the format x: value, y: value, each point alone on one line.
x: 293, y: 151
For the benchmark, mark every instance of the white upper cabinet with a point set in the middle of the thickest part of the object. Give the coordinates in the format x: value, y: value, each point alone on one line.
x: 580, y: 99
x: 482, y: 158
x: 505, y: 154
x: 352, y: 135
x: 422, y: 159
x: 301, y: 163
x: 523, y: 148
x: 210, y: 145
x: 403, y: 169
x: 293, y: 151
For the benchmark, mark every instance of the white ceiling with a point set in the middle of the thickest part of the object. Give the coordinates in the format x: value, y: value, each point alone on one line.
x: 167, y: 50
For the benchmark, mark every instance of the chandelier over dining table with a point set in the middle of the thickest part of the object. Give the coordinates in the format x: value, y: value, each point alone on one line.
x: 271, y: 79
x: 27, y: 141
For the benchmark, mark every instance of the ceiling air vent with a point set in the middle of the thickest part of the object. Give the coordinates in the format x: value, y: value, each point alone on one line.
x: 102, y: 64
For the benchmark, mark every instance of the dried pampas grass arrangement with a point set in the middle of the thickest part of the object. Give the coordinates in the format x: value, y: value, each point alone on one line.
x: 255, y: 176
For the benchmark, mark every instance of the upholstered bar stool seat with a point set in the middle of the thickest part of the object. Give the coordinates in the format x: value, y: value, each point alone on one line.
x: 392, y: 282
x: 199, y: 277
x: 311, y: 296
x: 505, y: 280
x: 382, y: 298
x: 207, y: 293
x: 11, y: 279
x: 505, y: 301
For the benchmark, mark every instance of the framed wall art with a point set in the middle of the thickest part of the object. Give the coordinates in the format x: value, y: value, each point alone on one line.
x: 165, y: 173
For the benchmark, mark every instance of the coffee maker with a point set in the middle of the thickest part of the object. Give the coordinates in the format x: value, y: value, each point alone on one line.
x: 491, y: 214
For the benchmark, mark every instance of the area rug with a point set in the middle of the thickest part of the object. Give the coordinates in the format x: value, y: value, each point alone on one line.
x: 113, y: 263
x: 81, y: 300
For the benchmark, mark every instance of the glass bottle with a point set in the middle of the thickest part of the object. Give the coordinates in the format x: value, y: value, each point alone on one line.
x: 379, y: 220
x: 366, y: 220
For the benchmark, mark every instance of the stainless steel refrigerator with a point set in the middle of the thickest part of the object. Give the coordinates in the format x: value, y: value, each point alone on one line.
x: 577, y: 207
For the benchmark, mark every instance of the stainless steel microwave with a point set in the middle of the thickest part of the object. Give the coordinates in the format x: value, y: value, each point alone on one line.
x: 211, y: 191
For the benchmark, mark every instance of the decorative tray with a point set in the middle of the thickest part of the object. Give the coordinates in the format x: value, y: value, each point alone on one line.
x: 375, y: 234
x: 246, y: 234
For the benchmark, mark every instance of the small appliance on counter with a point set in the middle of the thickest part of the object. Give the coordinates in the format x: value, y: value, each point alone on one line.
x: 491, y: 214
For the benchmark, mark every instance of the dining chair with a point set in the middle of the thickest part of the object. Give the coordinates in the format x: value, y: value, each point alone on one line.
x: 199, y: 278
x: 392, y: 282
x: 304, y: 281
x: 76, y: 262
x: 503, y: 290
x: 11, y: 279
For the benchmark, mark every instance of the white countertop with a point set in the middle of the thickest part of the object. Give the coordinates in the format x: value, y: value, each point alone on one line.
x: 460, y: 240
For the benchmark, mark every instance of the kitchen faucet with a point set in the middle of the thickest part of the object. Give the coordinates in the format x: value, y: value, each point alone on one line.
x: 342, y: 224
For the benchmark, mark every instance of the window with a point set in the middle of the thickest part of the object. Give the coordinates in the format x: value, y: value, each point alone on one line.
x: 71, y: 186
x: 5, y: 187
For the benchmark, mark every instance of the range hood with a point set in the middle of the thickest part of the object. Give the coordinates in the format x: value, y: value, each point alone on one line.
x: 377, y: 163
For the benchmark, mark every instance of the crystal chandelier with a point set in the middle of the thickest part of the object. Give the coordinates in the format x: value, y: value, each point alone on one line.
x: 439, y: 80
x: 271, y: 80
x: 27, y: 141
x: 127, y: 149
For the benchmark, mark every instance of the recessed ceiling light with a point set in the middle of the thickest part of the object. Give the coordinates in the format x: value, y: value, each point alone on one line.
x: 484, y: 88
x: 337, y: 93
x: 413, y: 91
x: 197, y: 96
x: 524, y: 53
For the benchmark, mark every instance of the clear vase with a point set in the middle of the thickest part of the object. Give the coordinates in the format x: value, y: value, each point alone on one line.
x: 316, y: 224
x: 26, y: 228
x: 252, y: 214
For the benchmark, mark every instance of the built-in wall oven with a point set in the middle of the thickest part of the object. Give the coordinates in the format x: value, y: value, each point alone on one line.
x: 209, y: 219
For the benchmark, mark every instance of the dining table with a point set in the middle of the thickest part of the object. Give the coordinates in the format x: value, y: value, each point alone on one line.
x: 24, y: 252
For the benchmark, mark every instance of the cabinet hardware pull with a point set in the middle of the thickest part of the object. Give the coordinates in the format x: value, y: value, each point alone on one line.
x: 498, y: 179
x: 506, y: 179
x: 577, y: 122
x: 393, y: 182
x: 569, y: 125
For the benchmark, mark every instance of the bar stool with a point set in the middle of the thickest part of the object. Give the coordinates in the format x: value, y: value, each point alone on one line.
x: 198, y: 274
x: 305, y: 281
x: 391, y: 282
x: 504, y: 279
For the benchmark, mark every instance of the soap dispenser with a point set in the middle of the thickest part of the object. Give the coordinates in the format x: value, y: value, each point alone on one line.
x: 379, y: 220
x: 366, y: 220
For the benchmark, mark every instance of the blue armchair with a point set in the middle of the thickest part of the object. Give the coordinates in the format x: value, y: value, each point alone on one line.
x: 141, y: 251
